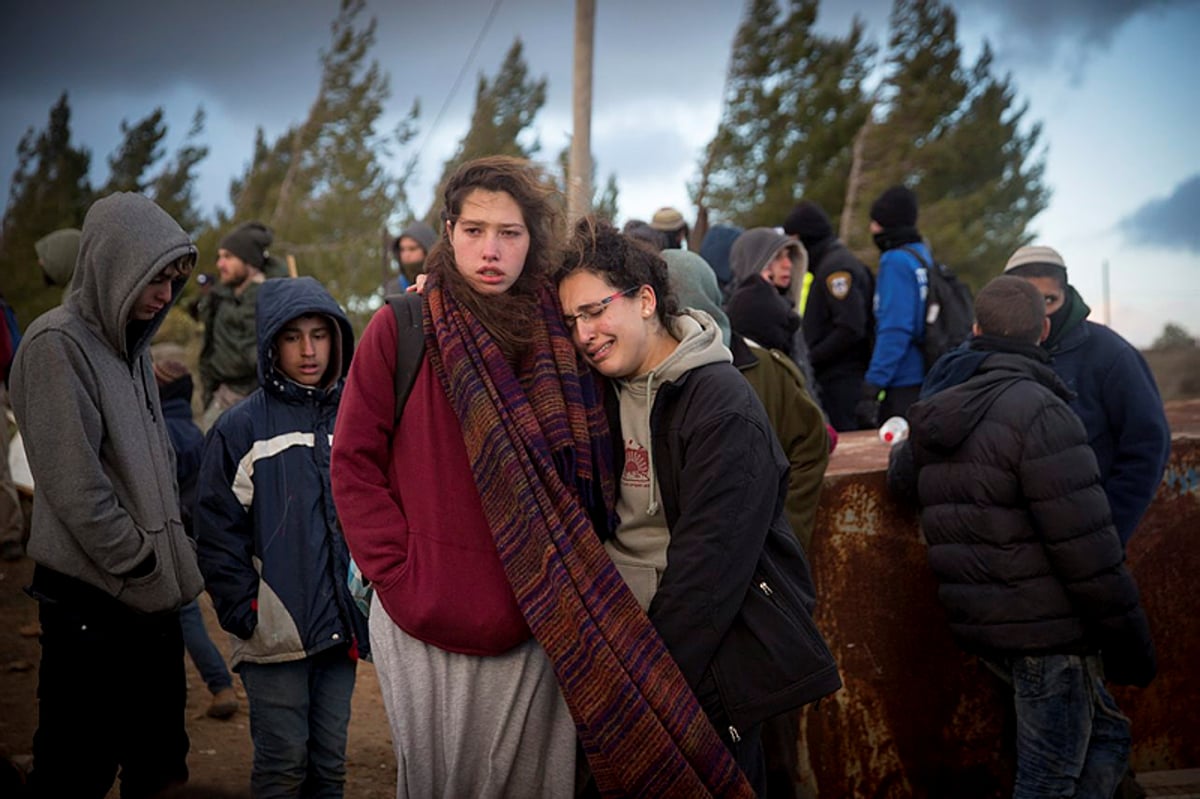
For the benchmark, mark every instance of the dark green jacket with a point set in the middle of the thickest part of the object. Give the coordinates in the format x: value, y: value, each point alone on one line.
x: 230, y: 353
x: 798, y: 424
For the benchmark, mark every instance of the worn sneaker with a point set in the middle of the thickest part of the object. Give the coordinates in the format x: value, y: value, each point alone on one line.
x: 224, y: 704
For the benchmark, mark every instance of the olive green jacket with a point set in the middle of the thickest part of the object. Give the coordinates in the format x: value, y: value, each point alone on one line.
x: 230, y: 353
x: 799, y: 424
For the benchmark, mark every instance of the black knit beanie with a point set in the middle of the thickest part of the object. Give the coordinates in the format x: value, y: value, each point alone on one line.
x: 896, y: 207
x: 809, y: 223
x: 249, y: 242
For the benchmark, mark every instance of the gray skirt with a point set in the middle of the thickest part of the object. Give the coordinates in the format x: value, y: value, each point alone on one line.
x: 465, y: 725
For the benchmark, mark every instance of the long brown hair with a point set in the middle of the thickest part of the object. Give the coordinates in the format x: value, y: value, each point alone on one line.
x: 506, y: 316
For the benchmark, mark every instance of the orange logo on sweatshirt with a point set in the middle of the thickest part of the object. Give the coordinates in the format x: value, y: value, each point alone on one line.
x: 637, y: 466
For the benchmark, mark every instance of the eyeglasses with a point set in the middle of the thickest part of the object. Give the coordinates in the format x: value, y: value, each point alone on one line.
x: 593, y: 310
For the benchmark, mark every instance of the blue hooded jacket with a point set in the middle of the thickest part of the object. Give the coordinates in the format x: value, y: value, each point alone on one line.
x: 900, y: 291
x: 270, y: 544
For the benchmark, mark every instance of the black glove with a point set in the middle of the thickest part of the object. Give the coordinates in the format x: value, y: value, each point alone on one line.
x: 866, y: 412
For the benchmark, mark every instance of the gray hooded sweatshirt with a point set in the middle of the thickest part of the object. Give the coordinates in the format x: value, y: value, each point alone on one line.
x: 84, y: 394
x: 639, y: 548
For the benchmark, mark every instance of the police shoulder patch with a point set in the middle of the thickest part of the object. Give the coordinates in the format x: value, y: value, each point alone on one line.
x: 838, y: 284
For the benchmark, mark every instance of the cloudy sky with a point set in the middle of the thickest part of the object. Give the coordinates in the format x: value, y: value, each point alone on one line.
x: 1111, y: 81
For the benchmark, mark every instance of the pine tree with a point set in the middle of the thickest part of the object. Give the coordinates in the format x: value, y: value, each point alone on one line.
x: 793, y: 102
x: 505, y: 107
x: 955, y: 136
x: 322, y: 186
x: 174, y: 187
x: 138, y: 152
x: 50, y: 190
x: 604, y: 201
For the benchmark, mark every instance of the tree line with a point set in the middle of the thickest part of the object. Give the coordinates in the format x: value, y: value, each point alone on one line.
x: 801, y: 119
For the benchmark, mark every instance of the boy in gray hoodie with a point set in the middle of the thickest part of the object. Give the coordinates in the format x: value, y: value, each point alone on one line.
x: 113, y: 564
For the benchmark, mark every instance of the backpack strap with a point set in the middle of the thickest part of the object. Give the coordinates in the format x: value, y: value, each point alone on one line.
x: 929, y: 269
x: 916, y: 254
x: 410, y: 345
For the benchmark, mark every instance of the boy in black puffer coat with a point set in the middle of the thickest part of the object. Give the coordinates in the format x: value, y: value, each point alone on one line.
x: 1021, y: 539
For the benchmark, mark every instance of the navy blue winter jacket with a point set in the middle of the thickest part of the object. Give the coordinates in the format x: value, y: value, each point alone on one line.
x: 1122, y: 411
x: 186, y: 440
x: 270, y: 545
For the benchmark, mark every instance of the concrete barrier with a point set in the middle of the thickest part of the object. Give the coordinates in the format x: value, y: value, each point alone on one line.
x: 917, y: 717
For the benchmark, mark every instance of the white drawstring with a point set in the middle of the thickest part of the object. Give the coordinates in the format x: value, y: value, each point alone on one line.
x: 652, y: 509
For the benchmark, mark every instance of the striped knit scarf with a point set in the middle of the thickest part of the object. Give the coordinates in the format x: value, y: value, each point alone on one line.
x: 538, y: 442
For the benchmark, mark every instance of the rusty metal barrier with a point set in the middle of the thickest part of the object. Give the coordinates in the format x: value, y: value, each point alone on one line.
x: 919, y: 718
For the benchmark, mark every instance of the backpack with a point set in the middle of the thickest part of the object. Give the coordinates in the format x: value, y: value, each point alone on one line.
x: 949, y: 311
x: 410, y: 345
x: 410, y: 348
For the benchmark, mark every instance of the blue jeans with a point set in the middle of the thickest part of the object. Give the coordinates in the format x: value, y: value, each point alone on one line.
x: 299, y: 713
x: 204, y: 653
x: 1072, y: 740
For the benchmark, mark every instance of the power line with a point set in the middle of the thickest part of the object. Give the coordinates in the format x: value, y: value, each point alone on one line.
x: 487, y: 23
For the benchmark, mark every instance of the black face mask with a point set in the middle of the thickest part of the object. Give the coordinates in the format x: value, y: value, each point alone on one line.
x: 1058, y: 321
x: 893, y: 237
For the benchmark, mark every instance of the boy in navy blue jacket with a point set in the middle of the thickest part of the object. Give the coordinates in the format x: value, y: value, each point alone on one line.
x: 271, y: 548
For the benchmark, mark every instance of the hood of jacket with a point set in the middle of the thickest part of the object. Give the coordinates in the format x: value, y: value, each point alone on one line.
x: 715, y: 248
x: 126, y: 241
x: 58, y: 252
x: 699, y: 344
x: 695, y: 286
x: 281, y: 300
x: 755, y: 248
x: 944, y: 420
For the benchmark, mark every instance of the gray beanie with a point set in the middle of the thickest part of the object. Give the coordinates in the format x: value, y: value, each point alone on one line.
x: 58, y: 253
x: 1035, y: 255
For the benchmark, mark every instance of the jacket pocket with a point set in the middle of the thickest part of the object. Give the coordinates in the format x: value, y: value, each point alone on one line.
x: 185, y: 568
x: 157, y: 591
x: 773, y: 658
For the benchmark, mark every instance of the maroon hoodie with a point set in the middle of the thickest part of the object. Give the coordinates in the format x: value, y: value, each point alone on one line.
x: 410, y: 509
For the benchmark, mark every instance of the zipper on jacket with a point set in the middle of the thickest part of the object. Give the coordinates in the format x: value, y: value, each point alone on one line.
x: 766, y: 589
x: 733, y: 734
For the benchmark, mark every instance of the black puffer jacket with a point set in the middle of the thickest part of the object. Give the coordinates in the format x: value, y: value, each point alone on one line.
x: 1019, y: 530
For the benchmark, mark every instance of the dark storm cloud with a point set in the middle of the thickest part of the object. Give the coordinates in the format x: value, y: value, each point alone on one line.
x: 1039, y: 33
x: 1169, y: 223
x: 255, y: 63
x: 254, y: 54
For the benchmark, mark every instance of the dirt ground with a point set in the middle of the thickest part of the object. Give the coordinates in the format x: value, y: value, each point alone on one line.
x: 220, y: 752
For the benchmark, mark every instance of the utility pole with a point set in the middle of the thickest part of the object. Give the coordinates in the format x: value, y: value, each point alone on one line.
x: 579, y: 177
x: 1107, y: 304
x: 385, y: 240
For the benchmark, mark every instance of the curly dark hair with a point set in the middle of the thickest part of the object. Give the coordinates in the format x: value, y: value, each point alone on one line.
x: 506, y: 316
x: 621, y: 261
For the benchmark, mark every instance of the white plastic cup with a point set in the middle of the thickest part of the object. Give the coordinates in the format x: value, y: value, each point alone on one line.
x: 894, y: 430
